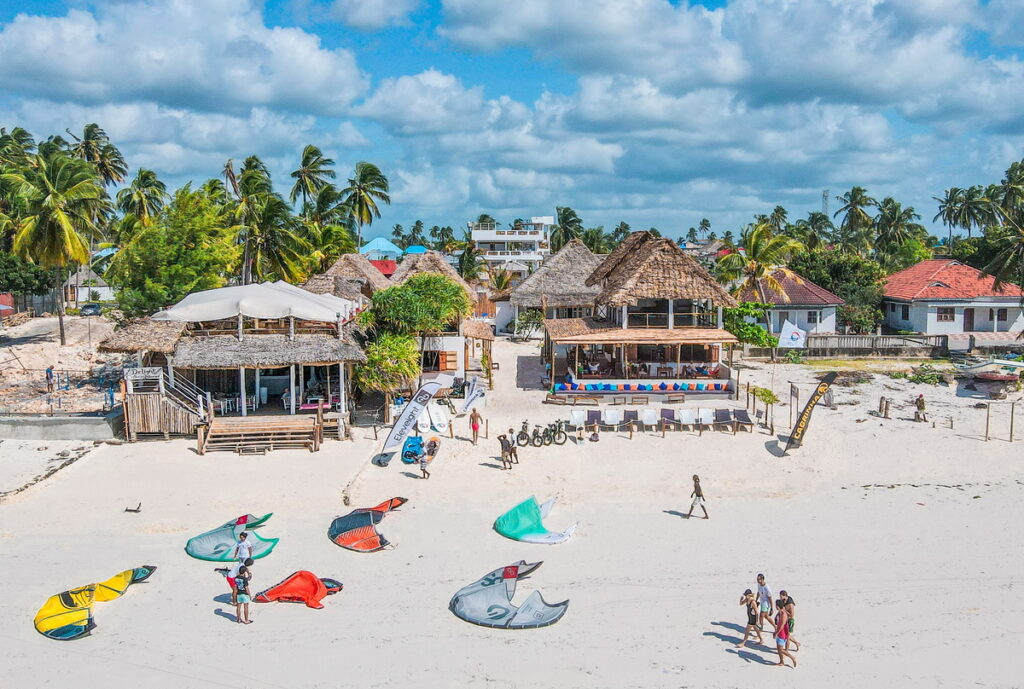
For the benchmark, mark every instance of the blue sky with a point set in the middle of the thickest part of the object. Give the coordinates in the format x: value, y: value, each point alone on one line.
x: 648, y: 111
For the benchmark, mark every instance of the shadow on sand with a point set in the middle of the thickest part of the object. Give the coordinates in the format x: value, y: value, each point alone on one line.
x: 226, y: 615
x: 733, y: 640
x: 674, y: 513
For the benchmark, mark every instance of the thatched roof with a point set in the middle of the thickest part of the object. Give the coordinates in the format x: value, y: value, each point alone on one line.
x: 144, y: 335
x: 264, y: 351
x: 354, y: 266
x: 560, y: 280
x: 354, y: 289
x: 589, y: 331
x: 429, y: 262
x: 647, y: 267
x: 478, y: 330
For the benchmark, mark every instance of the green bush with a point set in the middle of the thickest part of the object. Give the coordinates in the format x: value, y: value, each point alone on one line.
x: 794, y: 356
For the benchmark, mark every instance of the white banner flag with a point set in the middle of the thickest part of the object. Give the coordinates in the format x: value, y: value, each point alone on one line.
x: 792, y: 336
x: 473, y: 393
x: 407, y: 419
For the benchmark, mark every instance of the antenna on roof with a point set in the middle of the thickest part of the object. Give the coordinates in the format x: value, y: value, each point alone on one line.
x: 824, y: 202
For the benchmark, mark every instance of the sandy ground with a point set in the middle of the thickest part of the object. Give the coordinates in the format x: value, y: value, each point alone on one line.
x: 897, y: 540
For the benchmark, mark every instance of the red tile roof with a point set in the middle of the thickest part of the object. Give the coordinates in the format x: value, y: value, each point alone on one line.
x: 944, y: 278
x: 804, y: 293
x: 385, y: 266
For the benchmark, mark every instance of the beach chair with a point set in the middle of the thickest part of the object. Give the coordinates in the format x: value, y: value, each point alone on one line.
x: 685, y: 418
x: 724, y: 418
x: 667, y: 419
x: 638, y: 399
x: 705, y: 418
x: 593, y: 420
x: 675, y: 397
x: 612, y: 418
x: 577, y: 419
x: 556, y: 399
x: 648, y: 418
x: 741, y: 419
x: 630, y: 420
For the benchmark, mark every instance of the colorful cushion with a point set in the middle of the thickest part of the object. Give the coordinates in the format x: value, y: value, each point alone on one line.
x: 700, y: 386
x: 675, y: 386
x: 663, y: 386
x: 627, y: 386
x: 718, y: 386
x: 563, y: 386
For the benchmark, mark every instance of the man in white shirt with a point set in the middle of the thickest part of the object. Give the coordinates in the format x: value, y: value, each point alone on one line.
x: 231, y: 573
x: 764, y: 600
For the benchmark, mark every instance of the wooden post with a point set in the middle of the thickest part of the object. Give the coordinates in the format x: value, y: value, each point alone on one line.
x: 241, y: 389
x: 291, y: 328
x: 988, y: 417
x: 1013, y: 408
x: 342, y: 389
x: 291, y: 389
x: 256, y: 389
x: 239, y: 327
x: 487, y: 429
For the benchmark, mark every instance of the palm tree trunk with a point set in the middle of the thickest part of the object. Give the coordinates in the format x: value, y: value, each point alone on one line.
x: 59, y: 289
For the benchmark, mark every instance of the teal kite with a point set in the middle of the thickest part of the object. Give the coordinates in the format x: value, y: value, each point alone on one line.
x: 524, y: 522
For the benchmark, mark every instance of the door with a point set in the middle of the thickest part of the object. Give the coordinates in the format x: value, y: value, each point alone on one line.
x: 968, y: 320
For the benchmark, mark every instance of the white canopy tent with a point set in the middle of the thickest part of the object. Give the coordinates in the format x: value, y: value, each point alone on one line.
x: 265, y: 300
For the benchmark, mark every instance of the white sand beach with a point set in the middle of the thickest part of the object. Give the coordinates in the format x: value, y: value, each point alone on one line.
x: 897, y: 540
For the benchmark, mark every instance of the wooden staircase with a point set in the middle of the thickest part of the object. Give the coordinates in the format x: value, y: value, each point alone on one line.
x: 259, y: 434
x: 153, y: 405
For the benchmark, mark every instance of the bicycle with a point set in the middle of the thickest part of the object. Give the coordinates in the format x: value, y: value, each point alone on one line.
x: 555, y: 433
x: 537, y: 439
x: 523, y: 436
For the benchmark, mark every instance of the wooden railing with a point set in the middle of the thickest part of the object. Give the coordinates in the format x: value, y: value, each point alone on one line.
x: 874, y: 341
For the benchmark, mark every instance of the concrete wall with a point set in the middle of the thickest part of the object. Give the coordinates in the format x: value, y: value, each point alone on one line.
x: 504, y: 316
x: 798, y: 316
x: 66, y: 427
x: 449, y: 343
x: 923, y: 316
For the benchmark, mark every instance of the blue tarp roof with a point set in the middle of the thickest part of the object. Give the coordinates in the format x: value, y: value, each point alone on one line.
x: 416, y: 249
x: 381, y: 245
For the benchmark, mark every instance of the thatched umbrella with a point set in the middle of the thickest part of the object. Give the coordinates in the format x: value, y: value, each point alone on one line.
x: 560, y: 281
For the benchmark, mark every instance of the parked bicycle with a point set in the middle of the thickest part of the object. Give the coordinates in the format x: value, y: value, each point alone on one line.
x: 537, y: 439
x: 523, y: 436
x: 555, y: 433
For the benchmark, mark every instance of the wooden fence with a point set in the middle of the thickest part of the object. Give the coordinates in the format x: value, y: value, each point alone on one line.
x: 863, y: 345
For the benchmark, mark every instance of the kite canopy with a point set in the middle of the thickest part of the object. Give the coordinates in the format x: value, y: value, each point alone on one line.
x: 524, y: 523
x: 68, y: 615
x: 488, y: 601
x: 300, y: 587
x: 219, y: 544
x: 357, y: 529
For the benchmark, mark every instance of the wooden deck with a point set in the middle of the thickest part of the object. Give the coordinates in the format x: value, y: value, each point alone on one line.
x: 259, y: 434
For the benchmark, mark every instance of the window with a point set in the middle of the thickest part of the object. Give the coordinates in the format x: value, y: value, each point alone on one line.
x: 812, y: 317
x: 997, y: 314
x: 783, y: 317
x: 905, y: 313
x: 892, y: 308
x: 945, y: 314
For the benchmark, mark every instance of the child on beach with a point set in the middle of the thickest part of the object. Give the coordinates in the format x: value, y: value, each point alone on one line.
x: 698, y: 498
x: 242, y: 598
x: 243, y: 549
x: 750, y: 601
x: 424, y: 461
x: 231, y: 575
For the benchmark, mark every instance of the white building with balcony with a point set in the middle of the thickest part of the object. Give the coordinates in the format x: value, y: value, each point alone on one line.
x: 520, y: 248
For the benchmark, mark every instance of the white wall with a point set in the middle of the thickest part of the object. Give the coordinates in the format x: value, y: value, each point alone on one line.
x: 504, y: 315
x: 798, y: 316
x: 449, y: 343
x: 923, y: 317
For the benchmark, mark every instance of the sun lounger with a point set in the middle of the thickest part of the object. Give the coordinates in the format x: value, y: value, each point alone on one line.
x: 724, y: 418
x: 630, y: 420
x: 705, y: 418
x: 593, y: 420
x: 648, y: 418
x: 577, y: 419
x: 685, y: 418
x: 612, y: 418
x: 742, y: 419
x: 668, y: 419
x: 585, y: 399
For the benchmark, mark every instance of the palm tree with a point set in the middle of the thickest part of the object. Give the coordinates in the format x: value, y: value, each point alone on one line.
x: 691, y: 235
x: 144, y: 197
x: 704, y: 227
x: 95, y: 148
x: 895, y: 226
x: 366, y: 187
x: 398, y: 235
x: 312, y: 175
x: 764, y: 253
x: 416, y: 236
x: 58, y: 199
x: 471, y: 263
x: 857, y: 222
x: 727, y: 238
x: 15, y: 147
x: 621, y: 231
x: 274, y: 249
x: 778, y: 219
x: 500, y: 279
x: 568, y: 226
x: 596, y: 240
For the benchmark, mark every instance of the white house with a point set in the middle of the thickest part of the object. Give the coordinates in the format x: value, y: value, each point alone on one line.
x: 519, y: 249
x: 942, y: 296
x: 806, y: 305
x: 84, y: 284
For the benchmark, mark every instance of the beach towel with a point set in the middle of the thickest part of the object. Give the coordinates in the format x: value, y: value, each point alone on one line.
x: 488, y: 601
x: 68, y: 615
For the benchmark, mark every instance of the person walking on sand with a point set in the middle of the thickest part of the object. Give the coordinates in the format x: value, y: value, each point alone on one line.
x: 787, y: 602
x: 782, y: 635
x: 242, y: 597
x: 764, y: 601
x: 424, y: 461
x: 919, y: 403
x: 474, y: 424
x: 750, y: 601
x: 243, y: 549
x: 506, y: 452
x: 49, y: 379
x: 698, y: 498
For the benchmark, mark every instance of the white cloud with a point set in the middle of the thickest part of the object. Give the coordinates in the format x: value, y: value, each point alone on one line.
x: 212, y: 55
x: 373, y: 14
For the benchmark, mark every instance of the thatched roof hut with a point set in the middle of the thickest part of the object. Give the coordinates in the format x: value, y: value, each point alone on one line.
x: 429, y: 262
x: 590, y: 331
x: 560, y: 281
x: 354, y: 289
x: 478, y: 330
x: 647, y: 267
x: 144, y: 335
x: 264, y: 351
x: 348, y: 266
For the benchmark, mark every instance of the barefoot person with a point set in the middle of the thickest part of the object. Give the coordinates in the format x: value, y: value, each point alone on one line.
x: 242, y: 598
x: 506, y: 452
x: 787, y: 602
x: 474, y: 424
x: 919, y: 403
x: 231, y: 574
x: 243, y: 549
x: 764, y: 601
x: 750, y: 602
x: 424, y: 461
x: 782, y: 635
x: 698, y: 498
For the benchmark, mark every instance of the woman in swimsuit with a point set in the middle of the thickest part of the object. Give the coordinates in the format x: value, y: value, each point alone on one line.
x: 750, y: 601
x: 782, y: 635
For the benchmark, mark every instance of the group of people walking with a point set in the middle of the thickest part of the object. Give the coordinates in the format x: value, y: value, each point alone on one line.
x: 780, y: 614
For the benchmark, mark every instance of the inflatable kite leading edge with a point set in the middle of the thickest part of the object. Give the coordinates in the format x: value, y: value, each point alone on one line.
x: 300, y: 587
x: 219, y: 544
x: 488, y: 601
x: 68, y: 615
x: 357, y: 530
x: 524, y: 523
